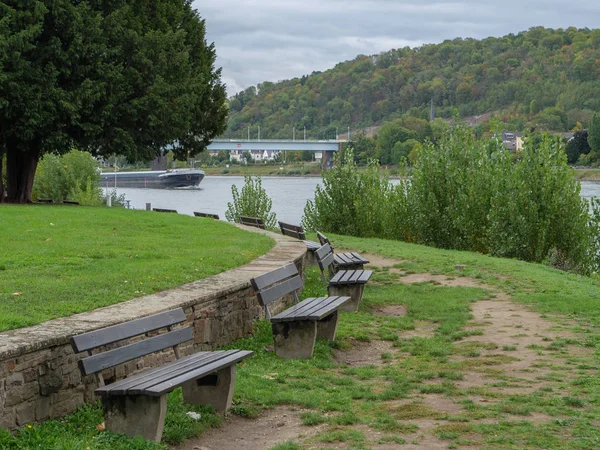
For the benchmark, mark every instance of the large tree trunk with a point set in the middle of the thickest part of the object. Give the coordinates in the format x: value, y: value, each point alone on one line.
x: 20, y: 171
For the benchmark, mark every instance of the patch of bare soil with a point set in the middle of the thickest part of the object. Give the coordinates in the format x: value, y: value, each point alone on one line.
x: 272, y: 427
x: 423, y: 329
x: 390, y: 310
x: 364, y: 354
x: 525, y: 343
x: 381, y: 261
x: 442, y: 280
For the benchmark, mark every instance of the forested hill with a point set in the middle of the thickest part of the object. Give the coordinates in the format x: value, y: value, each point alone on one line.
x: 550, y: 77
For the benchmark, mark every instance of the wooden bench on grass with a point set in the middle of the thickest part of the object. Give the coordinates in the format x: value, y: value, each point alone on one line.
x: 296, y: 231
x: 345, y: 261
x: 201, y: 214
x: 295, y: 330
x: 344, y: 282
x: 253, y: 222
x: 164, y: 210
x: 137, y: 405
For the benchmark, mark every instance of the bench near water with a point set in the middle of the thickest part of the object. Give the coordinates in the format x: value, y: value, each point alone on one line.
x: 202, y: 214
x: 253, y: 222
x: 296, y: 329
x: 137, y: 404
x: 296, y: 231
x: 164, y: 210
x: 344, y: 282
x: 345, y: 261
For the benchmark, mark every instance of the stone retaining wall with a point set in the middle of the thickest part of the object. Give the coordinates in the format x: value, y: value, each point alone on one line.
x: 39, y: 373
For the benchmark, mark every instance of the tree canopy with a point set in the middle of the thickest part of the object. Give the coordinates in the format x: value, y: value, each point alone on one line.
x: 109, y: 77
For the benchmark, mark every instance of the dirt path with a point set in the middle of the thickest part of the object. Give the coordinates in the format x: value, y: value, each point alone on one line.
x: 513, y: 355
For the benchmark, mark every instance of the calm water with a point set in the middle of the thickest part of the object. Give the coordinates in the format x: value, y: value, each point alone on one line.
x: 289, y: 195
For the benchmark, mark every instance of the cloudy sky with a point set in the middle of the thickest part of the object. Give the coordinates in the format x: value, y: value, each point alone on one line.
x: 272, y: 40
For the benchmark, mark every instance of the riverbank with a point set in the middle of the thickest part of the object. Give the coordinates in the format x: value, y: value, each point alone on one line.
x: 60, y: 260
x: 448, y: 349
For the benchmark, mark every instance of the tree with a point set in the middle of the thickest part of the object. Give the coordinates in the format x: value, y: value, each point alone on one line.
x: 578, y: 145
x: 113, y: 77
x: 594, y: 133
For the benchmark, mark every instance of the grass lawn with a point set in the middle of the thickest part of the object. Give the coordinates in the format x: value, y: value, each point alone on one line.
x: 439, y: 380
x: 59, y: 260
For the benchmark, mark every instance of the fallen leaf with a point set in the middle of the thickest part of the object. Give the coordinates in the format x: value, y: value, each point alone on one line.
x: 49, y: 239
x: 100, y: 427
x: 16, y: 294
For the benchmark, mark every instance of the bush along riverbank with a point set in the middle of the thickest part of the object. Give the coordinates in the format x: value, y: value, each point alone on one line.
x: 448, y: 349
x: 468, y: 195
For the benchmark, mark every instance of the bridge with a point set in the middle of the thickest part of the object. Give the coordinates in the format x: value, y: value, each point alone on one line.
x: 325, y: 148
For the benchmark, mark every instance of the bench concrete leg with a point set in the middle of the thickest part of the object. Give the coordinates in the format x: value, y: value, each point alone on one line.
x: 327, y: 326
x: 136, y: 415
x: 354, y: 291
x: 295, y: 339
x: 215, y: 390
x: 310, y: 258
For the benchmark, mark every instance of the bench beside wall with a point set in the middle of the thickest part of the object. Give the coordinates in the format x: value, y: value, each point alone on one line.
x: 39, y: 375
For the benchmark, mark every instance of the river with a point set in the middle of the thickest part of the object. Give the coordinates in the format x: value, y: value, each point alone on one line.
x: 289, y: 195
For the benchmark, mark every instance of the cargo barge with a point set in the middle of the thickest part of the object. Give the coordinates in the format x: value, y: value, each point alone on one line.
x: 156, y: 179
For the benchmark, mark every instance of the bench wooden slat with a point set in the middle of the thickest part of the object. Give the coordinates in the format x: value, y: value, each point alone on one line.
x: 167, y: 386
x: 355, y: 276
x: 159, y: 378
x: 298, y: 308
x: 341, y: 259
x: 295, y: 231
x: 359, y: 257
x: 252, y: 222
x: 210, y: 215
x: 116, y: 333
x: 315, y: 309
x: 351, y: 277
x: 325, y: 310
x: 365, y: 276
x: 269, y: 295
x: 275, y: 276
x: 122, y: 387
x: 312, y: 245
x: 325, y: 256
x: 164, y: 210
x: 322, y: 238
x: 126, y: 353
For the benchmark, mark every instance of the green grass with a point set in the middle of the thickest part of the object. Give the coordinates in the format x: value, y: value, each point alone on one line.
x: 60, y: 260
x: 338, y: 403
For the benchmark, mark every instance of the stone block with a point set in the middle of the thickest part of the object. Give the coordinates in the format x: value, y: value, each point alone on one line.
x: 16, y: 379
x: 8, y: 419
x: 25, y: 413
x: 50, y: 383
x: 67, y: 406
x: 42, y: 408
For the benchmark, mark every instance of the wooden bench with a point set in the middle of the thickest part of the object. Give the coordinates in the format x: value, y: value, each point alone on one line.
x: 70, y: 202
x: 296, y: 329
x: 344, y: 282
x: 137, y: 404
x: 209, y: 215
x: 296, y: 231
x: 347, y: 260
x: 164, y: 210
x: 253, y: 222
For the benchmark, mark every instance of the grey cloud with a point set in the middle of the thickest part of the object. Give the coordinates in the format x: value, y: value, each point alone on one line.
x: 272, y: 40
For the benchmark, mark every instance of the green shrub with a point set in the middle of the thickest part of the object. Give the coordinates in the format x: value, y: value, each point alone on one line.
x: 253, y: 201
x: 73, y: 176
x: 350, y: 202
x: 469, y: 195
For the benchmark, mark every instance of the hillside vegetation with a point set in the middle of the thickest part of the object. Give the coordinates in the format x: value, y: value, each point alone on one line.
x: 541, y: 78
